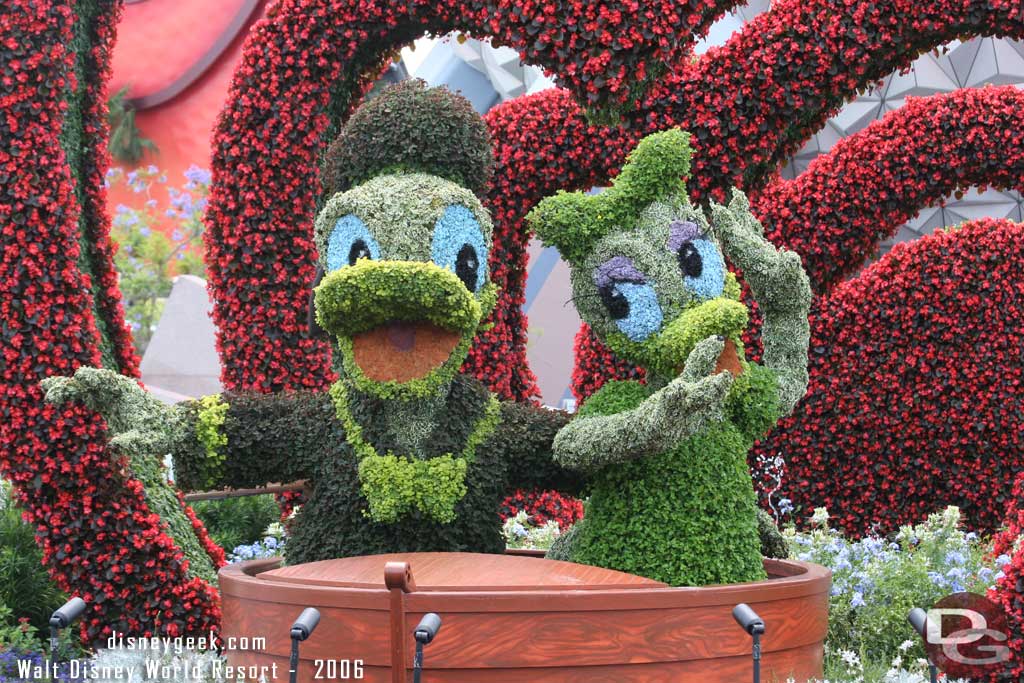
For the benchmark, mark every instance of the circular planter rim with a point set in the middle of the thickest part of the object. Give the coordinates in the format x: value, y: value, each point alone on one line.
x: 790, y: 578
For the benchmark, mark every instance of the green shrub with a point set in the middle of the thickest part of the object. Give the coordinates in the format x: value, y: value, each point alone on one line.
x: 410, y: 127
x: 25, y: 586
x: 236, y: 521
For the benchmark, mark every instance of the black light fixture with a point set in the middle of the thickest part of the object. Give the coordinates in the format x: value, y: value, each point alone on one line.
x: 754, y: 626
x: 427, y: 630
x: 63, y: 617
x: 918, y: 618
x: 302, y: 628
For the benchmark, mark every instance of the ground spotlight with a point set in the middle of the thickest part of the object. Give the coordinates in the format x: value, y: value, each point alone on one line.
x: 918, y: 618
x: 750, y: 622
x: 427, y: 630
x: 302, y: 628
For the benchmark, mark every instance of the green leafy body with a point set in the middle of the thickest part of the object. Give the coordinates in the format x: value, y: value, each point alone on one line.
x: 685, y: 516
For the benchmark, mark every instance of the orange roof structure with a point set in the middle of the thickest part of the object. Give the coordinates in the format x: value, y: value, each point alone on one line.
x: 177, y: 58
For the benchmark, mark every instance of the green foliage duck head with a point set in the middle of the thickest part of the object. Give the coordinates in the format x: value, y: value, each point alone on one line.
x: 648, y: 273
x: 405, y: 241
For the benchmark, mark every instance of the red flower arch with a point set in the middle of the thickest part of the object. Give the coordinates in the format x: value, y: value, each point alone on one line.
x: 60, y: 308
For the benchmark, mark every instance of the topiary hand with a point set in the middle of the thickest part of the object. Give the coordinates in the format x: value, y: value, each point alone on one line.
x: 140, y: 424
x: 660, y: 421
x: 781, y: 289
x: 776, y: 275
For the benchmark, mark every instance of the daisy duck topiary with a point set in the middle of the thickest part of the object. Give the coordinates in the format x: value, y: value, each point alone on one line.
x: 671, y: 495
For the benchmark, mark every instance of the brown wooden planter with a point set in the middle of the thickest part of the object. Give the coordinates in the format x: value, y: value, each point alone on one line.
x: 514, y: 618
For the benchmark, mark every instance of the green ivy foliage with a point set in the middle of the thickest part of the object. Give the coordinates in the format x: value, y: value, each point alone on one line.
x: 654, y: 170
x: 752, y: 404
x: 271, y: 438
x: 371, y: 293
x: 210, y: 417
x: 297, y: 435
x: 686, y: 516
x: 411, y: 127
x: 393, y: 485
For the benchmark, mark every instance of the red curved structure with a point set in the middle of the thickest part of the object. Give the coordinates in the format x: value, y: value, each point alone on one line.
x: 916, y: 393
x: 837, y: 212
x: 745, y: 121
x: 60, y: 309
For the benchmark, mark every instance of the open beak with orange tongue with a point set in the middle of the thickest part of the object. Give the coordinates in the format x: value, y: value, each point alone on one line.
x: 403, y: 328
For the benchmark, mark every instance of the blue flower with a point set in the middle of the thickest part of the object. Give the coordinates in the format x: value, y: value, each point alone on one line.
x: 955, y: 557
x: 957, y: 574
x: 938, y: 579
x: 197, y: 175
x: 785, y: 506
x: 857, y: 600
x: 1003, y: 560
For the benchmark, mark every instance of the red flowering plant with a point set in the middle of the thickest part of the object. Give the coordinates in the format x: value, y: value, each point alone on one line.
x: 542, y: 507
x: 915, y: 398
x: 1008, y: 555
x: 60, y: 308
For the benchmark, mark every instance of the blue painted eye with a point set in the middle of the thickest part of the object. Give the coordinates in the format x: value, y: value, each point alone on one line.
x: 350, y: 241
x: 459, y: 246
x: 702, y: 267
x: 634, y: 307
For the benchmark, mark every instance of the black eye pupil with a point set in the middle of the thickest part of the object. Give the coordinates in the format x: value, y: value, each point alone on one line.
x: 690, y: 261
x: 466, y: 266
x: 359, y: 250
x: 617, y: 305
